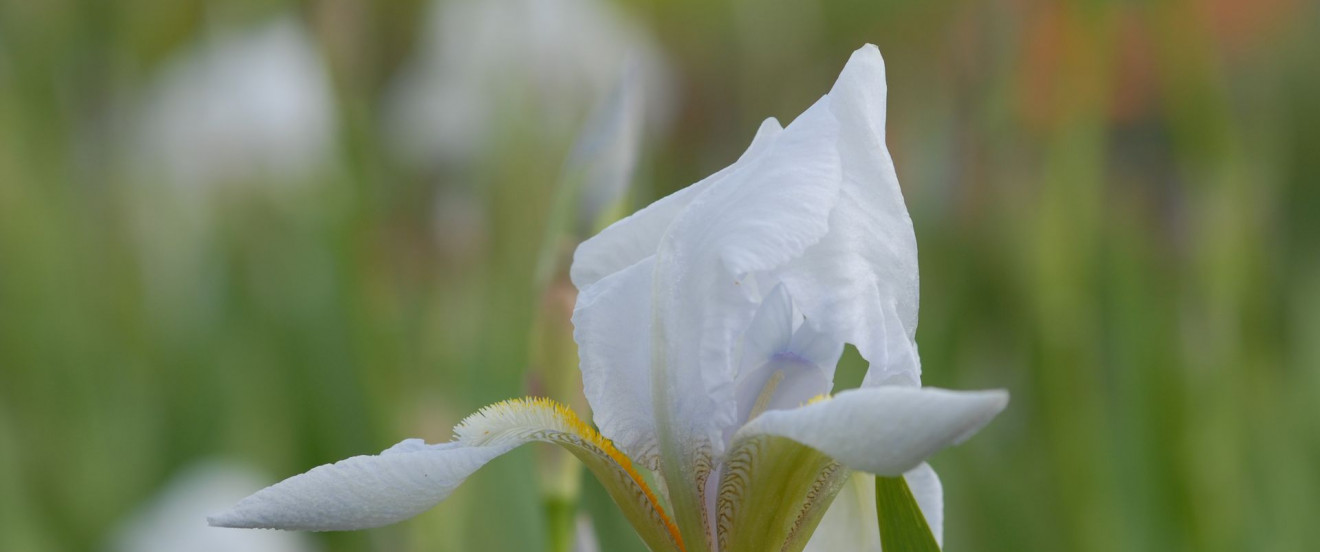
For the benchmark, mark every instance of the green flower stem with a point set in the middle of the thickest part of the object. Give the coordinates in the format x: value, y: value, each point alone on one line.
x: 560, y: 518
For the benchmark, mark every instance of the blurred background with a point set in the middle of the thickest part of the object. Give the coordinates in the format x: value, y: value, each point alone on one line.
x: 241, y: 239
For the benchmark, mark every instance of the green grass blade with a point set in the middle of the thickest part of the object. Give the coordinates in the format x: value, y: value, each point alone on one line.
x: 902, y: 525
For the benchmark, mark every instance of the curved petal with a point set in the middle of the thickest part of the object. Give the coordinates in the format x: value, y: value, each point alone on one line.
x: 760, y: 216
x: 521, y: 420
x: 612, y: 326
x: 637, y: 236
x: 883, y: 430
x: 363, y: 491
x: 929, y: 492
x: 859, y: 283
x: 411, y: 477
x: 850, y: 523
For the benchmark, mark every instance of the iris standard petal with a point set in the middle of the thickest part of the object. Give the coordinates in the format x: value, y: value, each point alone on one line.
x: 883, y: 430
x: 762, y: 214
x: 637, y: 236
x: 859, y: 282
x: 363, y: 491
x: 612, y: 325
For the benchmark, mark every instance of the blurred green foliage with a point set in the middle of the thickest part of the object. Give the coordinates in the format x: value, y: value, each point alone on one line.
x: 1116, y: 204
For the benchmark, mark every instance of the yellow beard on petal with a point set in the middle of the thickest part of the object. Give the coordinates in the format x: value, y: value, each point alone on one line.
x: 543, y: 419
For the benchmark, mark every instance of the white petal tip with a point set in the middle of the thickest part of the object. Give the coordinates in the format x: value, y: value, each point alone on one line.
x: 989, y: 404
x: 228, y: 520
x: 234, y: 518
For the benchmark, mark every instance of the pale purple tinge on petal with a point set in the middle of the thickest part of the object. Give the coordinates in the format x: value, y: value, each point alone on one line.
x: 842, y: 244
x: 850, y: 524
x: 478, y: 62
x: 884, y: 430
x: 175, y: 518
x: 783, y: 363
x: 363, y: 491
x: 241, y: 105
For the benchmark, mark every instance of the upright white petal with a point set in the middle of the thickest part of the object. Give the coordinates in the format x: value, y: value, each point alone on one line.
x: 859, y: 282
x: 612, y: 326
x: 612, y: 319
x: 705, y: 292
x: 363, y: 491
x: 761, y: 215
x: 637, y: 236
x: 884, y: 430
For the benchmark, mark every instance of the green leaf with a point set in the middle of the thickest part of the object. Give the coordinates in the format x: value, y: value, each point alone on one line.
x: 902, y: 525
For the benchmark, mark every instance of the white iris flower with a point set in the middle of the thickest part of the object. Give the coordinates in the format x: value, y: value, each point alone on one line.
x: 709, y: 325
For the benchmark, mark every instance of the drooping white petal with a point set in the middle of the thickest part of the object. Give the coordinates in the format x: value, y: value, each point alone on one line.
x: 637, y: 236
x: 410, y: 477
x: 859, y: 283
x: 612, y: 326
x: 929, y: 492
x: 363, y: 491
x: 850, y: 524
x: 883, y: 430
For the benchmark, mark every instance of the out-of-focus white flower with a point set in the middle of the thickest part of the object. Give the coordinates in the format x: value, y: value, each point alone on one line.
x: 244, y: 109
x: 709, y: 325
x: 584, y: 535
x: 482, y: 65
x: 172, y: 520
x: 242, y: 105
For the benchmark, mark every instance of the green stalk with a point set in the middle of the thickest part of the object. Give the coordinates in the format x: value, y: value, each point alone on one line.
x: 903, y: 527
x: 560, y: 514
